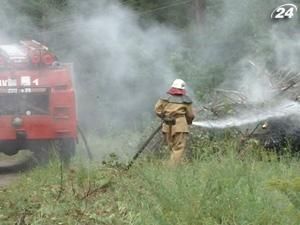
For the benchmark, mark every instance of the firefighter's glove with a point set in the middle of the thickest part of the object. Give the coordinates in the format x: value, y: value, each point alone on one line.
x: 171, y: 121
x: 189, y: 120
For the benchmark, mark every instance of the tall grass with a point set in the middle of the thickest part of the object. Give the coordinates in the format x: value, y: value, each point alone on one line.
x: 219, y: 187
x: 217, y: 190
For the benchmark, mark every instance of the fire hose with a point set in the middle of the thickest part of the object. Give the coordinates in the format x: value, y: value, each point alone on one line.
x: 170, y: 121
x: 144, y: 145
x: 88, y: 150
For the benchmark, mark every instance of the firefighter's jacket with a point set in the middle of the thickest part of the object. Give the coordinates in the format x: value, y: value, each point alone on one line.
x: 178, y: 107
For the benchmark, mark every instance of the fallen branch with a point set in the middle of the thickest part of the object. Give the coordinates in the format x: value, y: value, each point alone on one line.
x: 91, y: 191
x: 244, y: 139
x: 61, y: 189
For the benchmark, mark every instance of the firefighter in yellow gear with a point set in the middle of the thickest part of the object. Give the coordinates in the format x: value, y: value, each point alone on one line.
x: 175, y: 109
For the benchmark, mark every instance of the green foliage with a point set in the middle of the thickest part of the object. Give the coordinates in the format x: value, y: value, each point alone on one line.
x: 201, y: 78
x: 290, y: 188
x: 81, y: 202
x: 217, y: 187
x: 29, y: 19
x: 167, y: 11
x: 220, y: 190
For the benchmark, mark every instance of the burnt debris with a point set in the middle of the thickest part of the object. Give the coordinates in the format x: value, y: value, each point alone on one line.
x: 276, y: 133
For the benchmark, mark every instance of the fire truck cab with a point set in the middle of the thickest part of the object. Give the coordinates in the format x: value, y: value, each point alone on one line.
x: 37, y: 101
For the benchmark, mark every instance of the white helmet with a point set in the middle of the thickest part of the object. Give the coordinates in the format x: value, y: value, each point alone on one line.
x: 178, y: 83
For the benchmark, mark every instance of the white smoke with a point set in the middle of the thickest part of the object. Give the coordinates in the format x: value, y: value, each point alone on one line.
x: 275, y: 45
x: 122, y: 65
x: 130, y: 64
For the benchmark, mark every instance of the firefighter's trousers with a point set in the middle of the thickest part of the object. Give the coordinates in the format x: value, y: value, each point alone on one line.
x: 177, y: 146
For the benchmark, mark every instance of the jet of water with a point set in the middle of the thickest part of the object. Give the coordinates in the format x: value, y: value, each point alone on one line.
x: 282, y: 110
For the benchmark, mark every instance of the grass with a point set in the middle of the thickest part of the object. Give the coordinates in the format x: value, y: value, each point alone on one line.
x: 226, y: 192
x: 215, y: 187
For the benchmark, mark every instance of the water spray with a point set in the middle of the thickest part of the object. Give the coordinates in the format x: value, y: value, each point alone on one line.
x: 282, y: 110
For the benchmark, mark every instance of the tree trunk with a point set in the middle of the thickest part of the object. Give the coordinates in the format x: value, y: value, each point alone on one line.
x: 199, y: 8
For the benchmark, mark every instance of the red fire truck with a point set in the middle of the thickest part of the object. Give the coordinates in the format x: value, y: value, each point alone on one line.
x: 37, y: 101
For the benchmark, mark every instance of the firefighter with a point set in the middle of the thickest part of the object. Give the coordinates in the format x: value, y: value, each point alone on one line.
x: 175, y: 109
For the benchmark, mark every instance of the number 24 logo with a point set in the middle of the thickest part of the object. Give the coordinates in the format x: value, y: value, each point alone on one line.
x: 284, y: 11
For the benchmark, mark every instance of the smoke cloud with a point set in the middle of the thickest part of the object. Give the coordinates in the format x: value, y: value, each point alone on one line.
x: 255, y: 46
x: 121, y: 67
x: 249, y: 47
x: 122, y: 64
